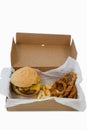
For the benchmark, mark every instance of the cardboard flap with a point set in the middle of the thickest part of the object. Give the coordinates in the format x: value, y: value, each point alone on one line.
x: 73, y: 50
x: 13, y: 53
x: 41, y: 50
x: 32, y: 38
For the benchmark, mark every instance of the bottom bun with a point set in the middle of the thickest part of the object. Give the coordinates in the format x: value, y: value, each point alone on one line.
x: 34, y: 90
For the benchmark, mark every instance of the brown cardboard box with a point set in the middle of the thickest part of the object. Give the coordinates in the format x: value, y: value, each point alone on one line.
x: 45, y: 52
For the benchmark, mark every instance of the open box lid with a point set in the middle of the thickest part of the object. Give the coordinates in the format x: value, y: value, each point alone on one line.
x: 41, y: 50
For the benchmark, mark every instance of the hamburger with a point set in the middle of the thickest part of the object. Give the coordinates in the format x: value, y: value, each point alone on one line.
x: 25, y: 81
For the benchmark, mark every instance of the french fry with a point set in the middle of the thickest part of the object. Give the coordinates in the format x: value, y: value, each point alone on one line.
x: 48, y: 86
x: 44, y: 92
x: 41, y: 94
x: 47, y: 92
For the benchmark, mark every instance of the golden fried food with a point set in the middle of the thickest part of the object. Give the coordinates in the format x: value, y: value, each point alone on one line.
x: 44, y: 92
x: 69, y: 78
x: 75, y: 96
x: 60, y: 87
x: 65, y: 86
x: 73, y: 92
x: 41, y: 94
x: 67, y: 91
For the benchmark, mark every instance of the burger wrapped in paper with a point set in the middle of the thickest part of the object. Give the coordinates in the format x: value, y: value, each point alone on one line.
x: 25, y: 81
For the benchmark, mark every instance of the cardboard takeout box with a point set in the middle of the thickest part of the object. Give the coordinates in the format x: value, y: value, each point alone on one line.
x: 45, y: 52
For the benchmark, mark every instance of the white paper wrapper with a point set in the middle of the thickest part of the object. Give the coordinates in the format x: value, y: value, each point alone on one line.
x: 47, y: 77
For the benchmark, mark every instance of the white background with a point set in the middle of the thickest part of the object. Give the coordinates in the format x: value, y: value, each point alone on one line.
x: 43, y: 16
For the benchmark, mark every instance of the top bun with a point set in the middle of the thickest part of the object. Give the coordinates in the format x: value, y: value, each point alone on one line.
x: 24, y: 77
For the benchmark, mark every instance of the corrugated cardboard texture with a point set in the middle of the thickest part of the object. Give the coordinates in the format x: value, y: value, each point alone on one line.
x: 43, y: 51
